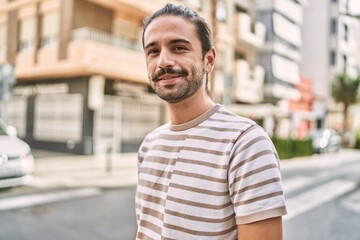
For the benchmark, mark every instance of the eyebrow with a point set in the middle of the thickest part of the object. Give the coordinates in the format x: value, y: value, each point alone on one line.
x: 178, y: 40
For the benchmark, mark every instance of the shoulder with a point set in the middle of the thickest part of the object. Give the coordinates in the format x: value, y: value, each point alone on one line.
x: 226, y: 118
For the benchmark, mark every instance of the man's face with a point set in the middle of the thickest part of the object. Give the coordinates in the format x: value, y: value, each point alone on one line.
x: 173, y: 58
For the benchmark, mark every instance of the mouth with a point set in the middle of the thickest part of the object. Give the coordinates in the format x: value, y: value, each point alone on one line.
x: 169, y: 77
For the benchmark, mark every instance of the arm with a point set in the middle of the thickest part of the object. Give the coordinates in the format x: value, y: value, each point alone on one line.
x: 269, y: 229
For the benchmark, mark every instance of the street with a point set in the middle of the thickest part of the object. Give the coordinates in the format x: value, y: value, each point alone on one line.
x: 323, y: 202
x: 108, y: 215
x: 323, y: 197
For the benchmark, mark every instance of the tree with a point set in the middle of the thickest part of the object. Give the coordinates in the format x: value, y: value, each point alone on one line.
x: 345, y: 90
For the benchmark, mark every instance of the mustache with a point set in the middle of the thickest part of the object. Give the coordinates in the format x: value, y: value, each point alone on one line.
x: 163, y: 71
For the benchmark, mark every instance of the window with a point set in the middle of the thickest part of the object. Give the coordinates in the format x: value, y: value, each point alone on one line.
x: 333, y: 26
x: 333, y: 58
x: 27, y: 33
x: 345, y: 62
x: 50, y: 28
x: 346, y: 32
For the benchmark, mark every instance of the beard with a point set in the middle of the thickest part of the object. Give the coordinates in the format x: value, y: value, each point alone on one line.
x: 180, y: 91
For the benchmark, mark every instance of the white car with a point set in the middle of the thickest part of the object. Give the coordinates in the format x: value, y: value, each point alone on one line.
x: 327, y: 140
x: 16, y: 159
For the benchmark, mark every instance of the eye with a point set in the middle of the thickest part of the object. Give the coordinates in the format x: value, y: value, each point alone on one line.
x: 179, y: 48
x: 152, y: 51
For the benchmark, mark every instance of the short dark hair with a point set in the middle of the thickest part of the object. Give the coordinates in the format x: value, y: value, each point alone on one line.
x: 202, y: 28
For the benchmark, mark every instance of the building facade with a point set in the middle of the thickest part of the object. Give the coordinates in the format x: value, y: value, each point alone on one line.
x: 281, y: 58
x: 81, y: 77
x: 330, y: 47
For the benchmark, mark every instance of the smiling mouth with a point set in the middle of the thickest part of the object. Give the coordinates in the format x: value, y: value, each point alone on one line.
x: 169, y: 77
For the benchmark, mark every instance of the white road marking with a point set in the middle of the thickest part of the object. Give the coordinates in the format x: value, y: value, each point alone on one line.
x: 313, y: 198
x: 352, y: 202
x: 295, y: 183
x: 42, y: 198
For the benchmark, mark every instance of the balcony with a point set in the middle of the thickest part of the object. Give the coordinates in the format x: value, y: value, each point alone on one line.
x: 285, y: 70
x: 279, y: 91
x: 83, y: 34
x: 90, y: 52
x: 248, y: 34
x: 286, y: 30
x: 249, y: 82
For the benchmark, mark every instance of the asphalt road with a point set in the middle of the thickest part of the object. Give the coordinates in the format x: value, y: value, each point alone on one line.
x: 109, y: 215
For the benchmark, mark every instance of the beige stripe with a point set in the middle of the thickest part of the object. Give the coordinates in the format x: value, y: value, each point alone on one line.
x: 152, y: 185
x: 155, y: 172
x: 200, y: 233
x: 256, y: 199
x: 161, y: 160
x: 257, y: 185
x: 150, y: 226
x: 198, y: 190
x: 150, y: 198
x: 208, y: 139
x: 238, y: 121
x: 200, y: 176
x: 201, y: 163
x: 200, y: 219
x: 247, y: 145
x: 181, y: 137
x: 164, y: 148
x: 153, y: 213
x: 200, y: 205
x: 207, y: 151
x: 249, y: 159
x: 165, y: 238
x: 218, y: 129
x: 253, y: 172
x: 184, y: 136
x: 143, y: 236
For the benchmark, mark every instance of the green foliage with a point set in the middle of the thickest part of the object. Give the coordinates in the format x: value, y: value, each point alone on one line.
x: 289, y: 148
x: 346, y: 89
x: 357, y: 143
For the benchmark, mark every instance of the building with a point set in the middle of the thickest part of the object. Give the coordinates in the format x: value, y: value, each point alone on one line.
x: 81, y: 78
x: 281, y: 59
x: 330, y: 47
x: 239, y: 37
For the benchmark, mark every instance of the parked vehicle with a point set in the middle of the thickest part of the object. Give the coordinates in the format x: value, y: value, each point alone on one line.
x: 326, y: 140
x: 16, y: 159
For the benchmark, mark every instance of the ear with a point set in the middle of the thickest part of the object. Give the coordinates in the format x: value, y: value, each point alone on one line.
x: 209, y: 60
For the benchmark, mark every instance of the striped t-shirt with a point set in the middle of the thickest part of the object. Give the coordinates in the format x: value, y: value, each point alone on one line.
x: 198, y: 180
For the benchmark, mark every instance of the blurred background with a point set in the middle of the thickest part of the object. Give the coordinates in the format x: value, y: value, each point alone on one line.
x: 74, y: 94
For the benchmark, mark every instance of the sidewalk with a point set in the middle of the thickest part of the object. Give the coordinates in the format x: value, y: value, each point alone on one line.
x: 116, y: 170
x: 120, y: 170
x: 322, y: 160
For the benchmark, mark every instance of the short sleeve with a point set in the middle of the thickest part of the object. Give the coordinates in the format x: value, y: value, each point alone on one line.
x: 254, y: 177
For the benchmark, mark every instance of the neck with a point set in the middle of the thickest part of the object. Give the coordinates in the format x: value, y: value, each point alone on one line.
x: 189, y: 109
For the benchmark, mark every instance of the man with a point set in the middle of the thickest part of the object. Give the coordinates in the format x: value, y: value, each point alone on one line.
x: 208, y: 173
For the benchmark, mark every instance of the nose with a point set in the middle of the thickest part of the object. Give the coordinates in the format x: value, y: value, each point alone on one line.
x: 165, y: 60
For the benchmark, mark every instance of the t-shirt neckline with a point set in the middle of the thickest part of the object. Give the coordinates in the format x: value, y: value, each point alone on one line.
x: 195, y: 121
